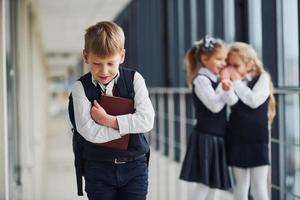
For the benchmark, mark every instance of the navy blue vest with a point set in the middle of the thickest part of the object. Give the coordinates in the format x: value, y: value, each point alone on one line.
x: 248, y: 125
x: 207, y: 121
x: 137, y: 143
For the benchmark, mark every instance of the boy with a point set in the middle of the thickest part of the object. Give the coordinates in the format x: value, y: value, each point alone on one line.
x: 111, y: 174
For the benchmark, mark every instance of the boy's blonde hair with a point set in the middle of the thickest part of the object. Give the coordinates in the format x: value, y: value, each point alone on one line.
x: 247, y: 54
x: 104, y: 39
x: 192, y: 58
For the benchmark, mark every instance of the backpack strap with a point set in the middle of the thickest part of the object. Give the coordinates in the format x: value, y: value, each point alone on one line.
x: 77, y: 138
x: 125, y: 83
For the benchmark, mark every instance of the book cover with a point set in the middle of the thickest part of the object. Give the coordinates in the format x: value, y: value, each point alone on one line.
x: 117, y: 106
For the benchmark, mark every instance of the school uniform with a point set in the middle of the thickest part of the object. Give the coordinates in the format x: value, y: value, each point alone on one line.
x: 205, y: 160
x: 248, y: 133
x: 112, y: 174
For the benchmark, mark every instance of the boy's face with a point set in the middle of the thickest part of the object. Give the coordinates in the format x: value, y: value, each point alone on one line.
x: 104, y: 69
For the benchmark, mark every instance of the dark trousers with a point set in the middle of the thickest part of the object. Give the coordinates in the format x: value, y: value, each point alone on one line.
x: 109, y: 181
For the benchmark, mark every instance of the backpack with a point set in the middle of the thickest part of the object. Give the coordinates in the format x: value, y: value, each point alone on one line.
x: 77, y: 140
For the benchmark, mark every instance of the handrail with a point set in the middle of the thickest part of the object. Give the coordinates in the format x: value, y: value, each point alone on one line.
x: 185, y: 90
x: 170, y: 133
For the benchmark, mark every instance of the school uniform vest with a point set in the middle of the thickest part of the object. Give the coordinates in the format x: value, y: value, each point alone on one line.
x: 248, y: 125
x: 137, y: 143
x: 207, y: 121
x: 247, y: 140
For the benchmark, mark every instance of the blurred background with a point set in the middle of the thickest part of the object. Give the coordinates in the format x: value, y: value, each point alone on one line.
x: 41, y: 44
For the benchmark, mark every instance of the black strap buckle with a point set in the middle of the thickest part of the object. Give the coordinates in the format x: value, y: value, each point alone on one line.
x: 118, y: 162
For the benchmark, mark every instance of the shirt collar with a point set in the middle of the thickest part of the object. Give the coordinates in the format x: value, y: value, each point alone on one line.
x: 110, y: 84
x: 248, y: 77
x: 208, y: 73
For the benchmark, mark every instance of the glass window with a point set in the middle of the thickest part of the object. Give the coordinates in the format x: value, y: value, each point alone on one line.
x: 241, y: 20
x: 229, y: 23
x: 292, y: 145
x: 290, y: 42
x: 255, y: 22
x: 209, y: 16
x: 289, y: 111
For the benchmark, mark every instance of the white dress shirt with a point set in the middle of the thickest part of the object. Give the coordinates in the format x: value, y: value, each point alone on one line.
x: 140, y: 121
x: 214, y: 100
x: 259, y: 93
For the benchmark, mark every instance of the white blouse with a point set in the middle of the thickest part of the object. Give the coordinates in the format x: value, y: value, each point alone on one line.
x: 214, y: 100
x: 259, y: 93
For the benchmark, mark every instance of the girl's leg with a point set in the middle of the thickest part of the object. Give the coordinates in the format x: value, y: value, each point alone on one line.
x: 259, y: 182
x: 242, y: 183
x: 198, y: 191
x: 211, y: 194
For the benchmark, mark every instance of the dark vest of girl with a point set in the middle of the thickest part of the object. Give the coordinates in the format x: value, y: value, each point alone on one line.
x: 248, y: 125
x: 207, y: 121
x: 137, y: 143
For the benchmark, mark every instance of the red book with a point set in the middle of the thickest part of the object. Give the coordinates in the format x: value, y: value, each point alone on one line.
x: 117, y: 106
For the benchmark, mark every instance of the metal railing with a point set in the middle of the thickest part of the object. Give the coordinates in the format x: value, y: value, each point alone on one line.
x: 168, y: 139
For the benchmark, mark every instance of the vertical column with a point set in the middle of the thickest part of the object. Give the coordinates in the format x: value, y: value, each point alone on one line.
x: 181, y: 32
x: 255, y: 25
x: 3, y: 109
x: 209, y: 17
x: 229, y: 30
x: 280, y: 103
x: 172, y: 179
x: 193, y: 22
x: 182, y: 115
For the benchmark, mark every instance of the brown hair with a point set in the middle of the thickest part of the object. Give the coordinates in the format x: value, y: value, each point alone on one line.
x: 247, y: 52
x: 192, y: 58
x: 104, y: 38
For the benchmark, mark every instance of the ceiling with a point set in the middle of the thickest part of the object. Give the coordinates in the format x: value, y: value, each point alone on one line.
x: 63, y: 22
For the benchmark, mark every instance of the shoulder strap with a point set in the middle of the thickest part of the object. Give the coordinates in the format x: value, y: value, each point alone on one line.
x: 85, y: 82
x: 89, y: 88
x: 77, y: 138
x: 125, y: 83
x: 71, y: 112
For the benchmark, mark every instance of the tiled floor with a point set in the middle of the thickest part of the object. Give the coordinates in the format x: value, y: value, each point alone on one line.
x: 60, y: 176
x: 59, y: 170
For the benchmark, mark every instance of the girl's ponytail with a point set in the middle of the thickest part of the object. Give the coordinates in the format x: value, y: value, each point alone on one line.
x: 191, y: 64
x: 271, y: 105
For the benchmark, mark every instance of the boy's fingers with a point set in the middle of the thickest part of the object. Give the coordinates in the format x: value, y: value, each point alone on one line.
x: 93, y: 109
x: 96, y: 104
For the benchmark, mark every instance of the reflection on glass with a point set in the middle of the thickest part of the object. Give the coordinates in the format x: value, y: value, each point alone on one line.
x: 292, y: 172
x: 292, y: 146
x: 291, y: 108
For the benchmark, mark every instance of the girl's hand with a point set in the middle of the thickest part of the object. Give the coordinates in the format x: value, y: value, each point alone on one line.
x: 234, y: 75
x: 225, y: 74
x: 226, y: 84
x: 98, y: 114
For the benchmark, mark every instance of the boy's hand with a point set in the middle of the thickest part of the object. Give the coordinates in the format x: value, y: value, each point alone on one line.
x: 98, y: 113
x: 100, y: 116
